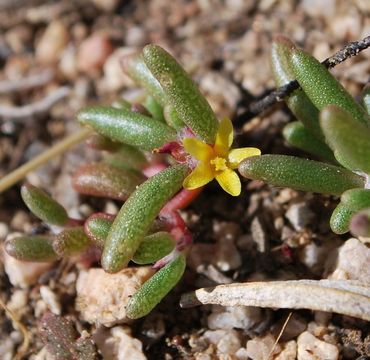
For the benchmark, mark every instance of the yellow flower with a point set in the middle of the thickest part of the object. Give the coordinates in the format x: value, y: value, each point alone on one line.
x: 217, y: 161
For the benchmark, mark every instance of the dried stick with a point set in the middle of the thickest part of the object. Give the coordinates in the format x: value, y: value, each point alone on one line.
x: 26, y: 335
x: 351, y: 49
x: 58, y: 149
x: 346, y: 297
x: 29, y: 82
x: 38, y: 107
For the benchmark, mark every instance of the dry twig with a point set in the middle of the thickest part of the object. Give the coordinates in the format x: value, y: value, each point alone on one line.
x: 29, y: 82
x: 38, y: 107
x: 277, y: 95
x: 26, y: 336
x: 340, y: 296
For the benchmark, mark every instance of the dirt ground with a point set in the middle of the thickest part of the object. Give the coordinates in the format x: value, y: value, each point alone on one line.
x: 61, y: 56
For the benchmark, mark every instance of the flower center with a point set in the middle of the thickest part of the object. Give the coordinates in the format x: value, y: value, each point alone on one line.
x: 219, y: 163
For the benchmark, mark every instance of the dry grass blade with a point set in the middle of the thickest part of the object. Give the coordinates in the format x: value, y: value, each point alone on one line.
x: 340, y: 296
x: 58, y: 149
x: 26, y: 335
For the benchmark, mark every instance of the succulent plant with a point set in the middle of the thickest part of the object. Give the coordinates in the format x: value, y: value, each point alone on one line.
x: 158, y: 153
x: 330, y: 125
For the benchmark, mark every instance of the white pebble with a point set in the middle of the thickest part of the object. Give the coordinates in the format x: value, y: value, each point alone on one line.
x: 118, y: 344
x: 311, y: 348
x: 102, y: 297
x: 260, y: 348
x: 51, y: 300
x: 352, y: 262
x: 240, y: 317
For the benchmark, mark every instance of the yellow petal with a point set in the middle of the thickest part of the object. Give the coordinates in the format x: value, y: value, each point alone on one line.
x: 224, y: 137
x: 200, y: 176
x: 237, y: 155
x: 230, y: 182
x: 198, y: 149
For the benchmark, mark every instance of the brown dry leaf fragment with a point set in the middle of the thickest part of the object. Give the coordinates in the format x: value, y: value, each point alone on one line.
x: 340, y: 296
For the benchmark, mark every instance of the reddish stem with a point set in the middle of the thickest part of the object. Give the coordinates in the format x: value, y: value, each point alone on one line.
x: 74, y: 222
x: 182, y: 199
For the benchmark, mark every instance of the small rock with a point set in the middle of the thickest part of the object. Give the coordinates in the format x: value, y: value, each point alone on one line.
x: 51, y: 300
x: 93, y: 52
x: 136, y: 36
x: 226, y: 341
x: 311, y: 348
x: 295, y: 326
x: 4, y: 231
x: 260, y: 348
x: 240, y: 317
x: 227, y: 256
x: 106, y: 5
x: 352, y: 262
x: 289, y: 352
x: 317, y: 8
x: 314, y: 256
x: 118, y: 344
x: 299, y: 215
x: 52, y: 43
x: 114, y: 77
x: 102, y: 297
x: 6, y: 349
x: 229, y: 344
x: 259, y: 235
x: 18, y: 302
x: 242, y: 354
x: 23, y: 273
x: 153, y: 327
x: 21, y: 222
x: 68, y: 63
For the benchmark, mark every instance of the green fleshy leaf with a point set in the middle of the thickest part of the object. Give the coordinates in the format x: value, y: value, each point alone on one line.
x: 155, y: 288
x: 97, y: 227
x: 321, y: 87
x: 352, y: 201
x: 71, y: 241
x: 360, y: 223
x: 136, y: 68
x: 340, y: 219
x: 172, y: 118
x: 99, y: 142
x: 121, y: 104
x: 127, y: 127
x: 298, y: 102
x: 300, y: 174
x: 99, y: 179
x: 181, y: 93
x: 154, y: 247
x: 137, y: 214
x: 298, y: 136
x: 43, y: 206
x: 356, y: 199
x: 155, y: 108
x: 35, y: 248
x: 349, y: 139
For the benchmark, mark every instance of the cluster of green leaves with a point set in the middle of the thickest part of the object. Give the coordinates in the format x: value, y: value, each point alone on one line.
x: 147, y: 229
x: 330, y: 125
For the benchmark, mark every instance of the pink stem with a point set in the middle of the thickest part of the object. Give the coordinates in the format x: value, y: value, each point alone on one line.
x: 182, y: 199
